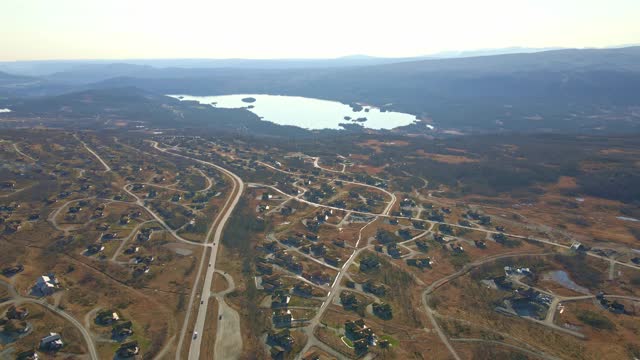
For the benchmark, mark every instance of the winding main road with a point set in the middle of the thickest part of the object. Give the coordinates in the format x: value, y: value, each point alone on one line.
x: 205, y: 293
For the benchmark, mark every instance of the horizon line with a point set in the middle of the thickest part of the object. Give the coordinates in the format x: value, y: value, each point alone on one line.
x: 342, y: 57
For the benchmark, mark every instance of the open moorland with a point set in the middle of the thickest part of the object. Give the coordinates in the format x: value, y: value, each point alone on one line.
x: 126, y: 243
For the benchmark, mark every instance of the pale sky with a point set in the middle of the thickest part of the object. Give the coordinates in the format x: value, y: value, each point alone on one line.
x: 127, y: 29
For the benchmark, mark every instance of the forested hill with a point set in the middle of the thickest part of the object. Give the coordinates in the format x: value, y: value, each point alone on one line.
x: 133, y: 108
x: 561, y: 90
x: 583, y: 91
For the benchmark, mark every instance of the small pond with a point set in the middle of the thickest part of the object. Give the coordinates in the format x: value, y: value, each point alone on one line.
x: 561, y: 277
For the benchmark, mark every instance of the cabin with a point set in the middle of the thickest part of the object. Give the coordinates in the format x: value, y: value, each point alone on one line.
x: 128, y: 349
x: 17, y: 313
x: 320, y: 277
x: 109, y: 236
x: 282, y: 318
x: 94, y: 249
x: 382, y: 310
x: 361, y: 335
x: 28, y: 355
x: 280, y: 338
x: 8, y: 185
x: 122, y: 330
x: 303, y: 289
x: 12, y: 270
x: 374, y: 288
x: 369, y: 263
x: 420, y: 263
x: 393, y: 251
x: 46, y: 285
x: 577, y: 246
x: 51, y: 342
x: 332, y: 260
x: 264, y: 268
x: 131, y: 250
x: 279, y: 301
x: 106, y: 317
x: 349, y: 300
x: 480, y: 244
x: 422, y: 245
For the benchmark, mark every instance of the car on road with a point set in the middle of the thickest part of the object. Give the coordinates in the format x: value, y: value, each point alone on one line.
x: 220, y: 317
x: 195, y: 334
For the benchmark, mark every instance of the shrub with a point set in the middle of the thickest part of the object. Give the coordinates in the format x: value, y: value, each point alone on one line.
x: 595, y: 320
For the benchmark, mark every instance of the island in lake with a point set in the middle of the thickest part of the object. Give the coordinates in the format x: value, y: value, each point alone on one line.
x: 318, y: 114
x: 356, y: 107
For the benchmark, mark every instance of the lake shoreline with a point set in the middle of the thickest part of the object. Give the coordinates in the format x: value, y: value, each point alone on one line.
x: 306, y: 113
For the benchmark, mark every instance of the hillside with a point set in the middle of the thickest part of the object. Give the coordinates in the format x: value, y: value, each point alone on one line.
x: 132, y: 108
x: 7, y: 79
x: 584, y: 91
x: 561, y: 90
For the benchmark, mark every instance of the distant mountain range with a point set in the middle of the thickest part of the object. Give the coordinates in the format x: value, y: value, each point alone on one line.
x: 488, y: 52
x: 40, y: 68
x: 569, y: 90
x: 51, y: 67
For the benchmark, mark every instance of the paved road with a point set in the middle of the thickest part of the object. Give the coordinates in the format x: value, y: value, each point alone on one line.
x: 52, y: 218
x: 393, y: 197
x: 106, y: 167
x: 557, y: 299
x: 386, y: 210
x: 175, y: 234
x: 438, y: 283
x: 443, y: 281
x: 490, y: 232
x: 17, y: 149
x: 91, y: 347
x: 16, y: 191
x: 316, y: 164
x: 124, y: 241
x: 218, y: 225
x: 313, y: 323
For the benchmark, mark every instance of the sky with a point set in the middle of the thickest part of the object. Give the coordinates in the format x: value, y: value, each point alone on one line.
x: 145, y: 29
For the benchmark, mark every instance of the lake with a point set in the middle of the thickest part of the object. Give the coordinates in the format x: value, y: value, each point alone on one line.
x: 306, y: 113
